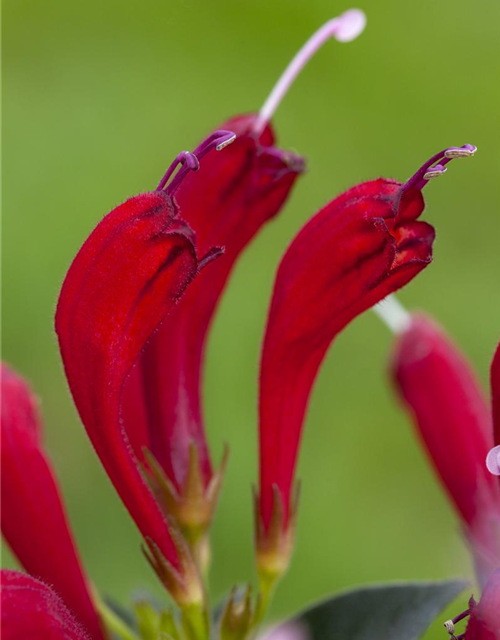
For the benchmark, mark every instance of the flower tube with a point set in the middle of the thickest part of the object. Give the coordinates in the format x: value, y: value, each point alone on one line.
x: 360, y: 247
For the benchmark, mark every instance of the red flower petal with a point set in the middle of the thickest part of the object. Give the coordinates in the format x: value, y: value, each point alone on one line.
x: 33, y: 516
x: 226, y: 203
x: 127, y: 276
x: 33, y: 611
x: 484, y: 622
x: 495, y: 395
x: 354, y: 252
x: 454, y: 422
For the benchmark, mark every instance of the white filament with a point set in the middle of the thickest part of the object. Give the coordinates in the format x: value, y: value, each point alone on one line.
x: 344, y: 28
x: 393, y: 314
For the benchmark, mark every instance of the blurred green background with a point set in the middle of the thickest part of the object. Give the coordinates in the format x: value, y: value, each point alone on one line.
x: 98, y: 98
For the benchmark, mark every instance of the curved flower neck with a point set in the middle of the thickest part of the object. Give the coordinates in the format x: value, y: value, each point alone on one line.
x: 190, y: 160
x: 343, y: 28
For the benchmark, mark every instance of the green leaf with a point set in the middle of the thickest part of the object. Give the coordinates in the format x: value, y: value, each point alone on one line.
x: 380, y: 612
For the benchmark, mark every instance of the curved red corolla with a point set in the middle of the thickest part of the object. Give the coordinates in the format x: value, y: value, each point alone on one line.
x: 360, y: 247
x: 127, y: 276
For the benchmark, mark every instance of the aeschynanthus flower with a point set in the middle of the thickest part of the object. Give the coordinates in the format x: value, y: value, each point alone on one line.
x: 31, y: 610
x: 360, y: 247
x: 126, y: 277
x: 33, y: 516
x: 454, y: 421
x: 225, y: 204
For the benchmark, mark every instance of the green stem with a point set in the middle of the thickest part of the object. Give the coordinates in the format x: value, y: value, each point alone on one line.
x: 113, y: 622
x: 267, y: 587
x: 195, y: 622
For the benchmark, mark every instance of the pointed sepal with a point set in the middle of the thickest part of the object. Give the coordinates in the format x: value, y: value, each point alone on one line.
x: 274, y: 543
x: 192, y: 505
x: 184, y: 584
x: 237, y: 619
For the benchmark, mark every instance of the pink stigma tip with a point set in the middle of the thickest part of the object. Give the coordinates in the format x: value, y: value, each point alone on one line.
x: 493, y: 461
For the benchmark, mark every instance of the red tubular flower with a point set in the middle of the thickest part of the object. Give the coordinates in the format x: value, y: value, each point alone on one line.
x: 226, y: 204
x: 493, y: 457
x: 359, y: 248
x: 454, y: 422
x: 32, y: 610
x: 127, y: 276
x: 33, y: 516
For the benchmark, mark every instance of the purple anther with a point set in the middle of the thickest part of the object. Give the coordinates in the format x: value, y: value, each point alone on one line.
x: 449, y: 626
x: 435, y: 171
x: 217, y: 140
x: 435, y: 166
x: 189, y: 160
x: 466, y: 151
x: 493, y: 461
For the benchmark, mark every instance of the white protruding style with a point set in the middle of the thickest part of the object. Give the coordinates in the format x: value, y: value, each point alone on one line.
x: 493, y: 461
x: 393, y: 314
x: 344, y: 28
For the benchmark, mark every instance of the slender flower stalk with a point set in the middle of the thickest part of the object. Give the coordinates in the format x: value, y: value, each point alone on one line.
x: 34, y: 521
x: 362, y: 246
